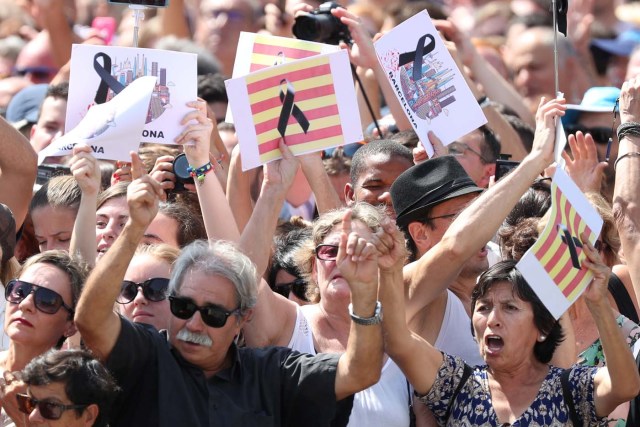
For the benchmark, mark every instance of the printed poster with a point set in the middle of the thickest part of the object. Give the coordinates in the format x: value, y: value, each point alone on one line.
x: 258, y: 51
x: 110, y: 129
x: 432, y: 91
x: 99, y: 73
x: 552, y: 266
x: 311, y: 103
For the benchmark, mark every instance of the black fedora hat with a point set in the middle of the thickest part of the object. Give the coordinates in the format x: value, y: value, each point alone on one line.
x: 428, y: 184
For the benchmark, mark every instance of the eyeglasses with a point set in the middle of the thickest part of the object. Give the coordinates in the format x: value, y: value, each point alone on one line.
x: 298, y: 287
x: 327, y: 252
x: 154, y: 289
x: 185, y: 308
x: 49, y: 410
x: 451, y: 215
x: 39, y: 72
x: 45, y: 300
x: 600, y: 134
x: 459, y: 148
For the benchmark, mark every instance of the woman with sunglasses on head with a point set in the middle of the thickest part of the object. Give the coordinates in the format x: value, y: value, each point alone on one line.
x: 39, y: 312
x: 143, y: 298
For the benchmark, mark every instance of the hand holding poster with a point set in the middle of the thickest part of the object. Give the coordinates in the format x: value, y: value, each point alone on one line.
x: 99, y: 73
x: 111, y: 129
x: 311, y: 103
x: 552, y: 266
x: 427, y: 82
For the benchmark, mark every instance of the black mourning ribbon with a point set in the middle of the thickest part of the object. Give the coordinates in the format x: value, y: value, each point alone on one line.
x: 562, y: 6
x: 572, y: 242
x: 289, y: 108
x: 107, y: 81
x: 416, y: 55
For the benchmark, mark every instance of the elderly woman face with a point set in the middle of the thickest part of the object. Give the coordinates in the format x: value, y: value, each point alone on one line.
x: 146, y: 280
x: 504, y: 327
x: 325, y: 272
x: 36, y: 313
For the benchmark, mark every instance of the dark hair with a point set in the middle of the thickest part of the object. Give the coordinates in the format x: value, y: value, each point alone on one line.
x: 60, y: 91
x: 86, y: 381
x: 211, y: 88
x: 408, y: 138
x: 285, y: 246
x: 59, y: 191
x: 190, y: 223
x: 491, y: 147
x: 378, y: 146
x: 506, y: 271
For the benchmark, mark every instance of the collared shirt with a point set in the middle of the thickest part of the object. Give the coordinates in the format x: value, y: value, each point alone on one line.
x: 263, y: 387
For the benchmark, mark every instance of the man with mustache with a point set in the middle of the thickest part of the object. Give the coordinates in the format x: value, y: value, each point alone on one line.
x: 194, y: 374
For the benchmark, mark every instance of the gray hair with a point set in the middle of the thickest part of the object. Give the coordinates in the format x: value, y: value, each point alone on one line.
x: 218, y: 258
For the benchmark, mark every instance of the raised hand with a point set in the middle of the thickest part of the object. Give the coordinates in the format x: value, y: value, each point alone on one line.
x: 361, y: 53
x: 163, y: 172
x: 389, y: 241
x: 143, y: 194
x: 597, y: 291
x: 357, y: 259
x: 85, y: 169
x: 630, y: 101
x: 281, y: 171
x: 196, y: 136
x: 584, y: 168
x: 549, y: 112
x: 122, y: 173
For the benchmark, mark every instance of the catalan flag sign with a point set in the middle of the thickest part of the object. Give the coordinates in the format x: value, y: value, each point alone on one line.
x: 258, y: 51
x: 311, y: 103
x: 553, y: 265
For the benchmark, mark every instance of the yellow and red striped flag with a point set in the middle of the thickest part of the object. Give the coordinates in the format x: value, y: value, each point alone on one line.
x: 553, y: 265
x: 304, y: 102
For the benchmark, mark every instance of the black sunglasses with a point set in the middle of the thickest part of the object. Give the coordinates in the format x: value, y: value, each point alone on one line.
x: 298, y: 287
x: 600, y: 134
x: 45, y: 300
x: 327, y: 252
x: 154, y: 289
x: 49, y: 410
x: 212, y: 315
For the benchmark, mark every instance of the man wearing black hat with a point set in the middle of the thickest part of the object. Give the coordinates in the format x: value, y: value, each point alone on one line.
x: 427, y: 199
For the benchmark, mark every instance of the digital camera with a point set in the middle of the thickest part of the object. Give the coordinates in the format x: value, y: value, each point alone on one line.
x: 321, y: 26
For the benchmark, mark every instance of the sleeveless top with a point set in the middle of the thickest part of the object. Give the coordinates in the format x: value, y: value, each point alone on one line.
x: 455, y: 336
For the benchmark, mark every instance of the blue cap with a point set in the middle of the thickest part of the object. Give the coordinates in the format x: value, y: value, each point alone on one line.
x: 622, y: 45
x: 595, y: 100
x: 24, y: 107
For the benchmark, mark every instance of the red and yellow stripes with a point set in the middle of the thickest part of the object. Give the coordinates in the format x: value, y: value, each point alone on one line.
x: 553, y: 254
x: 269, y: 50
x: 314, y: 95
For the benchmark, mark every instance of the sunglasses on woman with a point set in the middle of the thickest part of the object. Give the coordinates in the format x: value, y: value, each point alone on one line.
x: 154, y: 289
x: 212, y: 315
x: 49, y: 410
x: 327, y: 252
x: 45, y: 299
x: 298, y: 287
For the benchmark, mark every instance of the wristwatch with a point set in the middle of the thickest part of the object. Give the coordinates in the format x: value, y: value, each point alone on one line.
x: 373, y: 320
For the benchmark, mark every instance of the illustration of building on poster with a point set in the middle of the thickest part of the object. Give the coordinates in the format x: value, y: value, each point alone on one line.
x: 99, y: 73
x: 427, y: 82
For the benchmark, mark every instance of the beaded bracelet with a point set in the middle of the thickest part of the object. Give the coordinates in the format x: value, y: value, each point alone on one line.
x: 629, y: 154
x: 199, y: 173
x: 628, y: 129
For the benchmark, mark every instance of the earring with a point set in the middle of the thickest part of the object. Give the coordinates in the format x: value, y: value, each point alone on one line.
x: 542, y: 338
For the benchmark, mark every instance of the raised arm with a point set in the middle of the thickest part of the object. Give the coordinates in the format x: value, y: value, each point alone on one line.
x: 18, y: 169
x: 320, y: 183
x: 97, y: 322
x: 274, y: 316
x: 475, y: 226
x: 360, y: 366
x: 86, y: 171
x: 619, y: 381
x: 418, y: 360
x: 626, y: 197
x: 195, y: 138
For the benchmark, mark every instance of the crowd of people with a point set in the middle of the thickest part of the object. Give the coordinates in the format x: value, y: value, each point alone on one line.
x: 363, y: 285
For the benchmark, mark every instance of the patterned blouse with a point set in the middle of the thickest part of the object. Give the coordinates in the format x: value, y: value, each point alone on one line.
x: 473, y: 407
